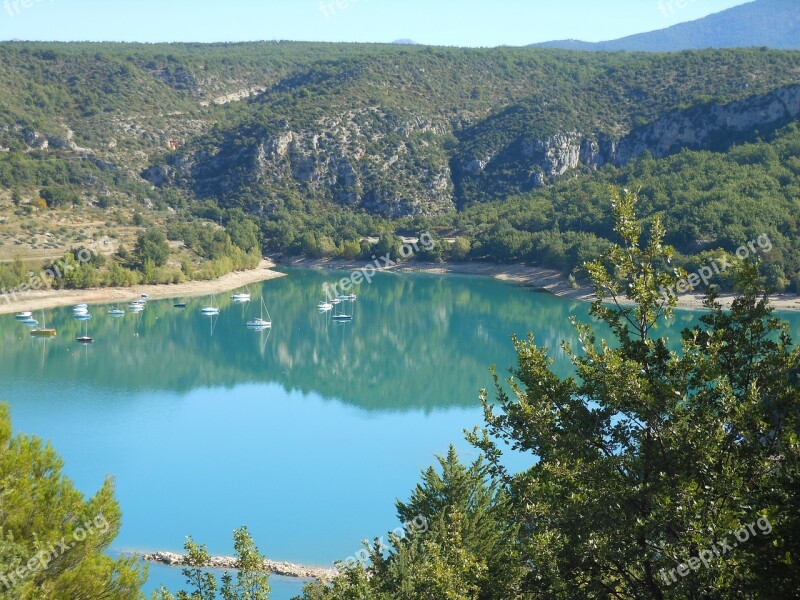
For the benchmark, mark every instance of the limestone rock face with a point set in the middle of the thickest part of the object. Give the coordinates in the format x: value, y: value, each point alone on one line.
x: 346, y: 158
x: 698, y: 128
x: 398, y: 165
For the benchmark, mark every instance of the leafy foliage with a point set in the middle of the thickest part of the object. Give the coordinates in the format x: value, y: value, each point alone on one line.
x: 53, y: 540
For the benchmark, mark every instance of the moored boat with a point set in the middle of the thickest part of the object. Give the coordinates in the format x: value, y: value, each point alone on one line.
x: 212, y: 310
x: 261, y: 323
x: 43, y: 332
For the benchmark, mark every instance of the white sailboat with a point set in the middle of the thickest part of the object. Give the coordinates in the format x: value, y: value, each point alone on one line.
x: 261, y: 323
x: 211, y: 310
x: 241, y: 297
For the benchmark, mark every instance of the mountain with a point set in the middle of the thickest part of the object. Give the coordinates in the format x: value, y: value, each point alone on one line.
x: 406, y: 133
x: 763, y: 23
x: 506, y: 153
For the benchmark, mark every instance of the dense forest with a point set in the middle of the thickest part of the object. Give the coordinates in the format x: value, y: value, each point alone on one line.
x: 503, y: 154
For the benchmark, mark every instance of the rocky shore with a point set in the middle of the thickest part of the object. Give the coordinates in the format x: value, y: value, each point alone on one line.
x: 283, y: 569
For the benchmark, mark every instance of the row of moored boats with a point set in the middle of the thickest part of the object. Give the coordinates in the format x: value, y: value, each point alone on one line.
x: 80, y: 312
x: 331, y: 304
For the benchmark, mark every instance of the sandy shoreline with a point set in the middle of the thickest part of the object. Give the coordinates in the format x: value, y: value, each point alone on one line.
x: 548, y: 280
x: 43, y: 299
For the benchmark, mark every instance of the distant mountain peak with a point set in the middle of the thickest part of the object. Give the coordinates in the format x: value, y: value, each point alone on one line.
x: 769, y: 23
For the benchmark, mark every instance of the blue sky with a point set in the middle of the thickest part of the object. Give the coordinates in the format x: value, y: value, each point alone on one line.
x: 441, y: 22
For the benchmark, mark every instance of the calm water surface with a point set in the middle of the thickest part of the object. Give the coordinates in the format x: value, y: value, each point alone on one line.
x: 307, y: 433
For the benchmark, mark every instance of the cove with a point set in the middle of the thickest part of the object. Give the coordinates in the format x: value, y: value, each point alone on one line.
x: 306, y: 433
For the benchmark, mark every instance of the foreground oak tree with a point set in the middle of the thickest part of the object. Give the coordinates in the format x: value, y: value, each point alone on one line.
x: 651, y: 461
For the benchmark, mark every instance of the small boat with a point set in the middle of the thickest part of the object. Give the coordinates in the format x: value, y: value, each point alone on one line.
x: 342, y: 318
x: 21, y: 316
x: 80, y: 311
x: 325, y: 306
x: 335, y: 301
x: 85, y: 339
x: 43, y: 332
x: 81, y: 307
x: 180, y: 305
x: 241, y: 297
x: 144, y: 296
x: 82, y: 317
x: 261, y: 323
x: 352, y: 297
x: 30, y: 322
x: 116, y: 312
x: 211, y: 310
x: 136, y: 307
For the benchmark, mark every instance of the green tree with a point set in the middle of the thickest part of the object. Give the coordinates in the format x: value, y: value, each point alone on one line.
x: 252, y: 582
x: 647, y: 457
x: 39, y: 508
x: 152, y: 245
x: 244, y: 233
x: 465, y: 550
x: 388, y: 244
x: 203, y: 581
x: 460, y: 248
x: 59, y: 196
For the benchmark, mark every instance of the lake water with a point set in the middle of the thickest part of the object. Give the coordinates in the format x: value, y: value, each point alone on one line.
x: 307, y: 433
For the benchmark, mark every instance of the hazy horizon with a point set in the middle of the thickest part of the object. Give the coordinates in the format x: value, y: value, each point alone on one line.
x: 449, y: 23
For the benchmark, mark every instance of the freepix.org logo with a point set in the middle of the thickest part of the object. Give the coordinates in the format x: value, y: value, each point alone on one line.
x: 706, y: 274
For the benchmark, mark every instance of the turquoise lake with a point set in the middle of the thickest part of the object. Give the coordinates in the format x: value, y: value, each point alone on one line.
x: 306, y: 433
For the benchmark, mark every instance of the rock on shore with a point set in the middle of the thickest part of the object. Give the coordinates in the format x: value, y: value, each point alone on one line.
x: 284, y: 569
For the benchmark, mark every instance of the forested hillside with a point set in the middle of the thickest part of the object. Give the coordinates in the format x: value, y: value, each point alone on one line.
x: 506, y: 154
